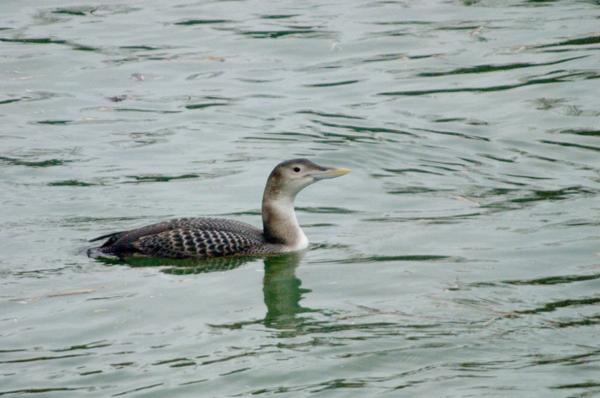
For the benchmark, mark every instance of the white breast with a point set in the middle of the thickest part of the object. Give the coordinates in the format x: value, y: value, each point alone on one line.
x: 301, y: 243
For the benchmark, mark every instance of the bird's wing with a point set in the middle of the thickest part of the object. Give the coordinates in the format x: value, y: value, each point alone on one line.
x: 192, y: 242
x: 217, y: 224
x: 164, y: 238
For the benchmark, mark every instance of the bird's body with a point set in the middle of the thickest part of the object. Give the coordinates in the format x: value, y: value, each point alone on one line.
x: 217, y: 237
x: 187, y: 238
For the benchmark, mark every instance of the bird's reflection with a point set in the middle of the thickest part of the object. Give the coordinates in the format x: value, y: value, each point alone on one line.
x: 282, y: 289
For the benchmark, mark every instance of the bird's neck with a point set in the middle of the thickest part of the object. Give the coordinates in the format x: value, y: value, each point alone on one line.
x: 280, y: 225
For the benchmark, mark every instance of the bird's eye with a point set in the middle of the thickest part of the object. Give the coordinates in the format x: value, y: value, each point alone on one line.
x: 297, y: 169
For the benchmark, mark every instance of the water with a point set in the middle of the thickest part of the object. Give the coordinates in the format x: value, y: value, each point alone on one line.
x: 460, y: 258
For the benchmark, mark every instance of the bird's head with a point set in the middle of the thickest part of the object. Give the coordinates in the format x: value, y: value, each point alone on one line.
x: 290, y: 177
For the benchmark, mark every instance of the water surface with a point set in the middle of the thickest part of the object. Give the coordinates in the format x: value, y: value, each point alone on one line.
x: 460, y: 258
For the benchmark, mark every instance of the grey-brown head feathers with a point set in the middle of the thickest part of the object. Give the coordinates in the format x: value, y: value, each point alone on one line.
x: 290, y: 177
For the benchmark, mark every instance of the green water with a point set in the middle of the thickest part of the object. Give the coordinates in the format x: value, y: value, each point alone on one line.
x: 460, y: 258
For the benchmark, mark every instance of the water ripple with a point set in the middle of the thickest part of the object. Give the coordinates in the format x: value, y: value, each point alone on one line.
x: 461, y: 250
x: 496, y: 68
x: 43, y: 390
x: 191, y: 22
x: 49, y: 40
x: 585, y: 75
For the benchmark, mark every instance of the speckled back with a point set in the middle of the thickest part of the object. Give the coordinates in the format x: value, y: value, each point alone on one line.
x: 188, y: 237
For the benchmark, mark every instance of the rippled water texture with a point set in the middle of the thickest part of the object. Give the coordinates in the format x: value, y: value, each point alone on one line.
x: 460, y: 258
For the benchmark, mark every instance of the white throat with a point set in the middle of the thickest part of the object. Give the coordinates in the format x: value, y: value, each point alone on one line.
x: 280, y: 223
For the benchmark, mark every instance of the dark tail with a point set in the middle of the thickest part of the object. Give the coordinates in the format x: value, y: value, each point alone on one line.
x: 112, y: 237
x: 106, y: 250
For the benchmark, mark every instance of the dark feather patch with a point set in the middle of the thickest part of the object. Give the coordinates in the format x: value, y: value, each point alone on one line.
x: 187, y: 237
x: 183, y: 243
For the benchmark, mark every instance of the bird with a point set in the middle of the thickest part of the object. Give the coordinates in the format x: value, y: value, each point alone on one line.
x: 207, y: 237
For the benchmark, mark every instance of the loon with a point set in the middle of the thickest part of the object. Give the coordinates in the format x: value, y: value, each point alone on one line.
x: 202, y: 237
